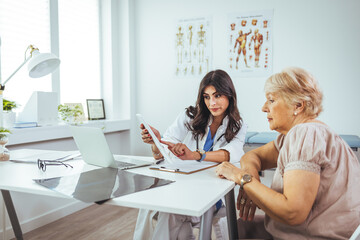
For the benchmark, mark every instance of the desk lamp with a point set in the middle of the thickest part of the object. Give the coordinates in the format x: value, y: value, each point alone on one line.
x: 40, y: 64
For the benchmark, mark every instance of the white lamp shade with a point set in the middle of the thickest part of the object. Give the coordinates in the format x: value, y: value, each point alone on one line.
x: 42, y: 64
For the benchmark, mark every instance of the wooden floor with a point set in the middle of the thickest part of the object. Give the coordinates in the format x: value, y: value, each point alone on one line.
x: 97, y: 222
x: 93, y: 223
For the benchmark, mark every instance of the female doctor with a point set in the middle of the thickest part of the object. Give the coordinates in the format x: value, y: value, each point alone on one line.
x: 211, y: 131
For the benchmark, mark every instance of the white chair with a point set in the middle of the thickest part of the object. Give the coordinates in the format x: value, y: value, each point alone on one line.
x: 356, y: 234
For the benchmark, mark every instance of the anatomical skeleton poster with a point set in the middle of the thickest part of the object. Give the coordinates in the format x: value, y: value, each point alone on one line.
x: 193, y: 47
x: 250, y: 44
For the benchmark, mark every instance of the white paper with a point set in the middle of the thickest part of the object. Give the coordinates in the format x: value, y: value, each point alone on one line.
x: 27, y: 157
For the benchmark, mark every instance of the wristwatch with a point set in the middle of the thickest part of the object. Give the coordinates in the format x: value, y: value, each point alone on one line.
x: 202, y: 155
x: 246, y: 178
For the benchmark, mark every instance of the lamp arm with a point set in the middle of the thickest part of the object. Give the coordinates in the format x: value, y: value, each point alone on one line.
x: 26, y: 60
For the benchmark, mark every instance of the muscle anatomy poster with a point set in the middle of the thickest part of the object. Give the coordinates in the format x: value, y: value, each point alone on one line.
x: 193, y: 47
x: 250, y: 43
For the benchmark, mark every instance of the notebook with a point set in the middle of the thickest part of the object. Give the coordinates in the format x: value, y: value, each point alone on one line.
x: 161, y: 148
x: 94, y: 149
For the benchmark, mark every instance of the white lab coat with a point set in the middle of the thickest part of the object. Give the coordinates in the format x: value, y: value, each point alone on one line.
x: 179, y: 133
x: 174, y: 226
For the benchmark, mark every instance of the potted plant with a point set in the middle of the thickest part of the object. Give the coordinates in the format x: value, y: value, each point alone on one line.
x: 9, y: 105
x: 70, y: 113
x: 9, y: 115
x: 4, y: 139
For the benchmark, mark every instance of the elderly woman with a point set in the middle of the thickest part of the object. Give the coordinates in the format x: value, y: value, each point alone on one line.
x: 315, y: 193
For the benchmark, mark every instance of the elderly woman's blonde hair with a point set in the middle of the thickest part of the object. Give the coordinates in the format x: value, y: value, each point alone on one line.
x: 296, y: 85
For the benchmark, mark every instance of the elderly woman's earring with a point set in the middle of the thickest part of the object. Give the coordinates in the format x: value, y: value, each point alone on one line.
x: 295, y: 113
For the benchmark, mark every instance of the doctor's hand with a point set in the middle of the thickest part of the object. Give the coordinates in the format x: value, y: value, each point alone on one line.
x: 181, y: 151
x: 145, y: 135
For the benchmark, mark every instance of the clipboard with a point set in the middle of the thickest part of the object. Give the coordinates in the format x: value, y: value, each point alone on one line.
x: 185, y: 167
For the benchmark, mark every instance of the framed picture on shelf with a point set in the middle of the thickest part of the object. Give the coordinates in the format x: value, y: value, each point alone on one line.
x: 96, y: 110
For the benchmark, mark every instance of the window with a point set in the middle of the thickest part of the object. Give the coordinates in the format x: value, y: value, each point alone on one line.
x: 78, y: 43
x: 79, y: 50
x: 17, y: 21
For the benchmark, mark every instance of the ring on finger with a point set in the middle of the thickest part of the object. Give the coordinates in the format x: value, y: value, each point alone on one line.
x: 242, y: 201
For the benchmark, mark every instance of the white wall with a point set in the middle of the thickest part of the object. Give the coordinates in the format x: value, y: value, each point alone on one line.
x: 321, y: 36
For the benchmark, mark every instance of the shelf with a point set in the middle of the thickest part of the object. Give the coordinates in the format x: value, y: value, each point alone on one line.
x: 44, y: 133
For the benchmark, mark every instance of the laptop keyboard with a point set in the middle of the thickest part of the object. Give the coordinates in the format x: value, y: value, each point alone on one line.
x: 124, y: 164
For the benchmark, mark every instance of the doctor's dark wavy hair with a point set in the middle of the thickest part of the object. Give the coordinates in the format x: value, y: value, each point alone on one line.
x: 200, y: 113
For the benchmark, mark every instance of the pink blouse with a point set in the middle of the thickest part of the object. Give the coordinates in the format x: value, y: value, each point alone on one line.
x: 335, y: 213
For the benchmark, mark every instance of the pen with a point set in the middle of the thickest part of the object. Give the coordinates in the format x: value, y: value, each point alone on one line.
x: 159, y: 161
x: 169, y: 170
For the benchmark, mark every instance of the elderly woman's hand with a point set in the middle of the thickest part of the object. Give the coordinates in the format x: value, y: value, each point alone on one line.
x: 244, y: 204
x: 229, y: 171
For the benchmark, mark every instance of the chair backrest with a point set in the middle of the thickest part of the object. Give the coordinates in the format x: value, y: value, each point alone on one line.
x: 356, y: 234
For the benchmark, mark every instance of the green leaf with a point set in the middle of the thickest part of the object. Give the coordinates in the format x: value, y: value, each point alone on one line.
x: 4, y: 130
x: 9, y: 105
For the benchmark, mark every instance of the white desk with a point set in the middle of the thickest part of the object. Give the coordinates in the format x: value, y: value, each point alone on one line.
x: 192, y: 194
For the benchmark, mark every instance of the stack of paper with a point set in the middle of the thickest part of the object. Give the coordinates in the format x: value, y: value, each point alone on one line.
x: 49, y: 156
x: 25, y: 124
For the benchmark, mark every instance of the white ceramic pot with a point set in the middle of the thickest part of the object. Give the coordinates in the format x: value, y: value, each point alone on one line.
x: 9, y: 119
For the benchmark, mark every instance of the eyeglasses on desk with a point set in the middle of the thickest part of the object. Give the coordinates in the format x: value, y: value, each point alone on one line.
x: 43, y: 163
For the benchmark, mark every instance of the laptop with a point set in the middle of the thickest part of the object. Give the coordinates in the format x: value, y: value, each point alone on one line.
x: 161, y: 148
x: 94, y: 150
